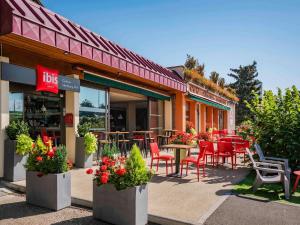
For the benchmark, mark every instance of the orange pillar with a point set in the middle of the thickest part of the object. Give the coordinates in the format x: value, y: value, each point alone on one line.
x: 216, y: 118
x: 193, y: 113
x: 180, y: 122
x: 203, y: 117
x: 209, y: 117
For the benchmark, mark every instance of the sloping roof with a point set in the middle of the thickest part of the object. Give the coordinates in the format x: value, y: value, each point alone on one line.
x: 33, y: 21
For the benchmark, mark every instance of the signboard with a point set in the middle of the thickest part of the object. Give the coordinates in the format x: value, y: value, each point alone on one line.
x: 68, y: 119
x: 23, y: 75
x: 47, y: 79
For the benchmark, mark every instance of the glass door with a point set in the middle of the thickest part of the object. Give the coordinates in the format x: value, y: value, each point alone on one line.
x: 156, y: 112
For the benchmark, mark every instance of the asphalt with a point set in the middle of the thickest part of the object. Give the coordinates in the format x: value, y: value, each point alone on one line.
x: 243, y: 211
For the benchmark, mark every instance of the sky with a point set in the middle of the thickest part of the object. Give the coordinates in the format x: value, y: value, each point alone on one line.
x: 221, y: 34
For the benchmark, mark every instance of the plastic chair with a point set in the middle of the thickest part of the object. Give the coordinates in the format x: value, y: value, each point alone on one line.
x: 198, y: 162
x: 269, y: 173
x: 240, y: 148
x: 209, y: 151
x: 155, y: 155
x: 225, y: 150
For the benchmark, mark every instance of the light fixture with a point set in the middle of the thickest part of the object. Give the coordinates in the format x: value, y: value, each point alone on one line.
x: 120, y: 117
x: 43, y: 109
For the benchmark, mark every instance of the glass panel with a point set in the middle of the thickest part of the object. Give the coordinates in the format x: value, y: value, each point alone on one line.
x: 16, y: 106
x: 93, y: 107
x: 156, y: 116
x: 187, y: 111
x: 221, y: 120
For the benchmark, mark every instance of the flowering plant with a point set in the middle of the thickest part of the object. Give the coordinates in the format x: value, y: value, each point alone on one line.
x: 246, y: 131
x: 204, y: 136
x: 121, y: 172
x: 183, y: 138
x: 47, y: 159
x: 190, y: 128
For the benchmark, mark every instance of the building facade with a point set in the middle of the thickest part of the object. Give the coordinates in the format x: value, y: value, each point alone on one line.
x: 56, y: 74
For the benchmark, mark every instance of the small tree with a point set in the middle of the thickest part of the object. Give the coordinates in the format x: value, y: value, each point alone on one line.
x: 214, y: 77
x: 191, y: 62
x: 221, y: 82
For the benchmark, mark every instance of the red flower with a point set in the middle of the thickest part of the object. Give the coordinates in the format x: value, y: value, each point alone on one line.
x: 121, y: 172
x: 33, y: 145
x: 104, y: 179
x: 54, y: 149
x: 105, y: 174
x: 39, y: 158
x: 103, y: 168
x: 50, y: 153
x: 105, y: 160
x: 89, y: 171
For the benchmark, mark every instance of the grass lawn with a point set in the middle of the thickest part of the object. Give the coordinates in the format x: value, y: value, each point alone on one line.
x: 267, y: 192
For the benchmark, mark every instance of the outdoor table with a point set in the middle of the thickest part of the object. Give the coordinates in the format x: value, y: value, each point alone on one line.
x: 178, y: 148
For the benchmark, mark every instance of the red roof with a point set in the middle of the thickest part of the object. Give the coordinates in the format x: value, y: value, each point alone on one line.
x: 33, y: 21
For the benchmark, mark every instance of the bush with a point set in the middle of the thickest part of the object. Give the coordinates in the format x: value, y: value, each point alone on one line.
x: 90, y: 143
x: 24, y: 144
x: 110, y: 151
x: 16, y: 128
x: 83, y: 129
x: 276, y: 124
x: 52, y: 160
x: 123, y: 173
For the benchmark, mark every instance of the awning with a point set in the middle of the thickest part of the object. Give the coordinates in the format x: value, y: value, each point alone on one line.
x: 124, y: 86
x: 207, y: 102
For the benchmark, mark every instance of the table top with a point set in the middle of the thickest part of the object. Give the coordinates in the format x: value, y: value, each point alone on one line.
x: 142, y: 131
x: 170, y: 130
x: 177, y: 146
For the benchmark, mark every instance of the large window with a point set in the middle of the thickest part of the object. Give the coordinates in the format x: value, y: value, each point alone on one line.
x: 93, y: 107
x: 16, y: 106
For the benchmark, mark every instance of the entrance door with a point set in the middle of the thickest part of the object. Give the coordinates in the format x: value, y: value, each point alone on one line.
x: 156, y: 112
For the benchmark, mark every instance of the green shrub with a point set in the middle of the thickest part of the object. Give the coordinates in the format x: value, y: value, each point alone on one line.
x: 16, y: 128
x: 53, y: 161
x: 24, y: 144
x: 90, y: 143
x: 276, y: 124
x: 40, y: 145
x: 83, y: 128
x: 110, y: 151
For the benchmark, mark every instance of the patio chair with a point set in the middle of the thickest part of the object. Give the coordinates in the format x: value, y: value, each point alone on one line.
x: 199, y: 161
x: 155, y: 155
x: 269, y: 173
x: 281, y: 161
x: 210, y: 151
x: 226, y: 150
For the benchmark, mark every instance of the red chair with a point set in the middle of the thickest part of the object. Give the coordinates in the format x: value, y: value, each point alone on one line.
x: 199, y: 161
x: 240, y: 148
x: 155, y: 155
x: 226, y: 150
x: 209, y: 151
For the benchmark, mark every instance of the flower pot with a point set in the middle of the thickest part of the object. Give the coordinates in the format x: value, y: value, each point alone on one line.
x: 14, y: 169
x: 82, y: 160
x: 129, y: 206
x: 52, y: 191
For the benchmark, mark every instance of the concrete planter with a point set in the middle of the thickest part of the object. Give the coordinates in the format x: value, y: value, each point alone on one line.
x: 52, y: 191
x: 129, y: 206
x: 81, y: 159
x: 14, y: 169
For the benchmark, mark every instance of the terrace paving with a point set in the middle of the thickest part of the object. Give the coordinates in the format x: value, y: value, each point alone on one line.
x: 171, y: 200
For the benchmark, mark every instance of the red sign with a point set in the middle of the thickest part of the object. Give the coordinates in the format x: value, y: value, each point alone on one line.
x: 68, y: 119
x: 47, y: 79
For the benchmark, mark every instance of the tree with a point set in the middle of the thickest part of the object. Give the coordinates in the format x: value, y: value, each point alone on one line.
x: 214, y: 77
x: 191, y: 62
x: 200, y: 69
x: 221, y: 82
x: 245, y: 83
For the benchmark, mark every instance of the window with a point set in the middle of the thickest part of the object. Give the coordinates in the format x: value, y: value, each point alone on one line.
x: 16, y: 106
x: 92, y: 107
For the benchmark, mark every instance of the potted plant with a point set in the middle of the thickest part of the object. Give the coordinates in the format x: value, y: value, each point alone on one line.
x: 86, y: 145
x: 120, y: 190
x: 48, y: 182
x: 17, y: 146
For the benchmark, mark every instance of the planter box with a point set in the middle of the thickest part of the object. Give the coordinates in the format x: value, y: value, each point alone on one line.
x: 81, y: 159
x: 14, y: 169
x: 129, y: 206
x: 52, y: 191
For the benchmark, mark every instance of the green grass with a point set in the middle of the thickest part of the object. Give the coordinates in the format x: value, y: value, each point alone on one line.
x: 267, y: 192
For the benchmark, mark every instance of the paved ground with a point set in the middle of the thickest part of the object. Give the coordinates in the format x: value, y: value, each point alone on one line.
x: 177, y: 199
x: 242, y: 211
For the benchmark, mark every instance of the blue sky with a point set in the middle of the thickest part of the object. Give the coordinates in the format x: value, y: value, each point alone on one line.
x: 221, y: 34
